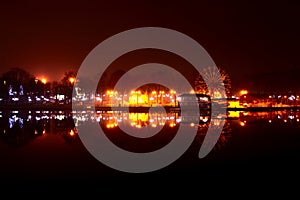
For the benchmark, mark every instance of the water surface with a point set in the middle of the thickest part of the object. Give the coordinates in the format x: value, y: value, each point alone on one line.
x: 44, y: 147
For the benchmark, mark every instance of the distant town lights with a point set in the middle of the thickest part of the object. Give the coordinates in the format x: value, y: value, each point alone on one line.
x: 243, y: 92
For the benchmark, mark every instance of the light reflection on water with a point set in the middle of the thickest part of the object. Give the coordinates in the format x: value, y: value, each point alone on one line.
x: 42, y: 145
x: 18, y: 128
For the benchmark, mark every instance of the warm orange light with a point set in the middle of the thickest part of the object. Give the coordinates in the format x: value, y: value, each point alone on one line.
x: 172, y: 124
x: 111, y: 125
x: 72, y: 80
x: 154, y: 125
x: 243, y: 92
x: 234, y: 114
x: 72, y: 133
x: 137, y: 98
x: 234, y: 104
x: 135, y: 117
x: 242, y: 123
x: 44, y: 80
x: 138, y: 126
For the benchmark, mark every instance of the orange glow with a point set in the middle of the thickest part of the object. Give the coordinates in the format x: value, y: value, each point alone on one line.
x: 111, y: 125
x: 134, y: 117
x: 109, y: 92
x: 243, y: 92
x: 138, y: 126
x: 137, y: 98
x: 154, y: 125
x: 72, y: 80
x: 172, y: 124
x: 138, y: 120
x: 71, y: 133
x: 44, y: 80
x: 217, y: 95
x: 242, y: 123
x: 234, y: 104
x: 234, y: 114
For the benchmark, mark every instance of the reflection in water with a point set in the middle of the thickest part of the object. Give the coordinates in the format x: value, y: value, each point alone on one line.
x: 274, y: 117
x: 18, y: 128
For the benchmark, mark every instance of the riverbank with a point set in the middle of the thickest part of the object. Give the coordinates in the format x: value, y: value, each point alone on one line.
x: 134, y: 108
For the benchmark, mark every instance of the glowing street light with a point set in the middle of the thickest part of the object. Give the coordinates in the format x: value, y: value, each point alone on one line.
x: 161, y: 95
x: 72, y: 133
x: 242, y: 123
x: 173, y: 93
x: 154, y: 96
x: 44, y: 80
x: 243, y: 92
x: 72, y: 80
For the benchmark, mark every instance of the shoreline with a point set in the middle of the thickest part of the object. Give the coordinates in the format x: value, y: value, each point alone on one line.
x: 138, y: 108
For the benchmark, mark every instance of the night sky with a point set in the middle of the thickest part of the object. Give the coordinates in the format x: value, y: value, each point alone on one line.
x: 257, y: 44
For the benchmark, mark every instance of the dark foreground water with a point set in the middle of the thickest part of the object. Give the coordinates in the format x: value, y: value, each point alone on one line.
x: 42, y: 149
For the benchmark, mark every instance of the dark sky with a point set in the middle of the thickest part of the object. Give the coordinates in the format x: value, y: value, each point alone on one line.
x: 256, y: 43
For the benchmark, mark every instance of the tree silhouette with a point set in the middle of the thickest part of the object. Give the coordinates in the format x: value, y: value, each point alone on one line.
x: 66, y: 79
x: 17, y: 78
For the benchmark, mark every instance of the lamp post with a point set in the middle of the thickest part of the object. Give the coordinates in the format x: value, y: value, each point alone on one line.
x: 44, y: 81
x: 173, y: 93
x: 72, y: 80
x: 161, y: 94
x: 154, y: 93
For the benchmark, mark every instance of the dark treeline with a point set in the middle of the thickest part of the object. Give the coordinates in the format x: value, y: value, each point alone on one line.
x: 18, y: 86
